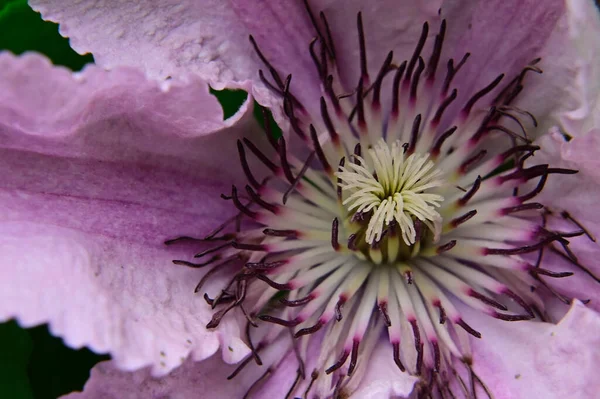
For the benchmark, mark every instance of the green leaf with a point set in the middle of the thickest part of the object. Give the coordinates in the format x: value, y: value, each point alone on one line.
x: 22, y: 29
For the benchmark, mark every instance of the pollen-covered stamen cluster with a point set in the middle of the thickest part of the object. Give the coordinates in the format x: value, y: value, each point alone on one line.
x: 392, y: 187
x: 402, y: 216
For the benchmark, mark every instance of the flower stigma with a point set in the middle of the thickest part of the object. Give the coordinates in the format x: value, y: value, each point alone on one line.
x: 400, y: 215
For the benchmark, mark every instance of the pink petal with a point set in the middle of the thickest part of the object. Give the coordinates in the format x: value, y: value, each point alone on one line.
x: 522, y: 360
x: 99, y: 169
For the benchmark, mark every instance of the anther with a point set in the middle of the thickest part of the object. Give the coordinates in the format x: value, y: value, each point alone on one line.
x: 196, y: 265
x: 261, y: 156
x: 277, y: 320
x: 297, y: 302
x: 417, y: 53
x: 363, y: 49
x: 567, y: 215
x: 385, y: 68
x: 440, y: 141
x: 384, y: 313
x: 334, y: 235
x: 240, y: 206
x: 487, y: 300
x: 249, y: 247
x: 436, y: 356
x: 328, y: 124
x: 446, y: 247
x: 440, y: 111
x: 211, y: 250
x: 436, y: 52
x: 468, y: 328
x: 281, y: 233
x: 467, y: 109
x: 511, y: 317
x: 415, y: 80
x: 462, y: 219
x: 287, y: 171
x: 319, y: 150
x: 298, y: 178
x: 339, y: 363
x: 259, y: 201
x: 353, y: 356
x: 274, y: 284
x: 468, y: 164
x: 309, y: 330
x: 396, y: 89
x: 452, y: 71
x: 414, y: 133
x: 339, y: 306
x: 242, y: 153
x: 265, y: 265
x: 396, y: 350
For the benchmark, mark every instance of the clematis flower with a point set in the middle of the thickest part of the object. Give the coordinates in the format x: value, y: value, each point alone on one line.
x: 406, y: 236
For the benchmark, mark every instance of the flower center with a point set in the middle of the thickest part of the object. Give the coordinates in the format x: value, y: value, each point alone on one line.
x: 392, y: 187
x: 426, y: 201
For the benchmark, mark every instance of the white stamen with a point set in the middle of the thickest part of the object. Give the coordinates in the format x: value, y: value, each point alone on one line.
x: 398, y: 192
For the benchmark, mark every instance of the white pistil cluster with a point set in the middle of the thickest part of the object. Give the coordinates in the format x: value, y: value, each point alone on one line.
x: 393, y: 187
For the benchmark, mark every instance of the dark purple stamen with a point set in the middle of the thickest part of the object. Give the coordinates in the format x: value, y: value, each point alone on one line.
x: 446, y: 247
x: 339, y: 363
x: 363, y: 48
x: 468, y: 328
x: 274, y: 284
x: 396, y: 89
x: 436, y: 52
x: 297, y: 302
x: 385, y: 68
x: 259, y: 201
x: 384, y: 313
x: 467, y: 109
x: 353, y: 356
x: 334, y: 235
x: 414, y: 84
x: 440, y: 141
x: 414, y: 133
x: 319, y: 150
x: 242, y: 154
x: 396, y: 350
x: 298, y: 178
x: 287, y: 171
x: 417, y: 53
x: 452, y: 71
x: 462, y: 219
x: 281, y: 233
x: 469, y: 163
x: 277, y: 320
x: 196, y: 265
x: 487, y: 300
x: 241, y: 207
x: 261, y: 156
x: 440, y: 111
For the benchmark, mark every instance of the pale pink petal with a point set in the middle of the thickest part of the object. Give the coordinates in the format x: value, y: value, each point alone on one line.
x: 523, y: 360
x: 208, y: 38
x: 383, y: 379
x: 568, y: 92
x: 99, y: 169
x: 578, y: 195
x: 580, y: 50
x: 203, y: 380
